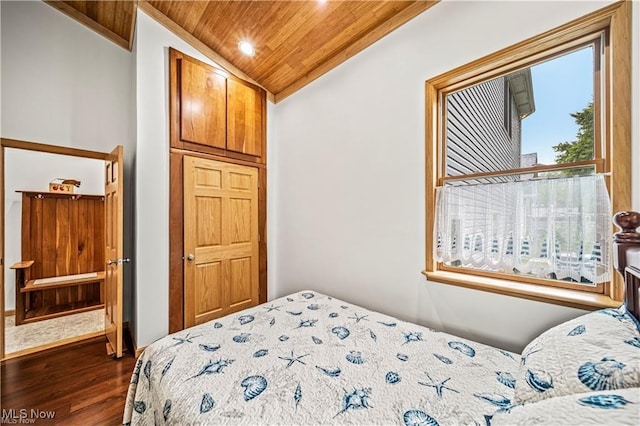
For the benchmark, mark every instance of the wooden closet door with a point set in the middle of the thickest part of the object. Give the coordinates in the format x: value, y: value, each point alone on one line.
x: 220, y: 239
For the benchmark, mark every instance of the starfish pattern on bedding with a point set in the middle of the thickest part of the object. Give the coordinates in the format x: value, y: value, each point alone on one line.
x: 438, y: 386
x: 358, y: 318
x: 293, y: 359
x: 272, y: 308
x: 185, y: 339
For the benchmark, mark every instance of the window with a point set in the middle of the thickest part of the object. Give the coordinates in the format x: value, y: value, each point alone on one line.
x: 515, y: 217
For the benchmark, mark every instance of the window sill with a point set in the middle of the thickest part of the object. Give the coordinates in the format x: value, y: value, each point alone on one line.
x: 556, y: 296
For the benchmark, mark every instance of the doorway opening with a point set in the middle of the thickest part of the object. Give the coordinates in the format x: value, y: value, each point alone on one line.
x: 62, y: 247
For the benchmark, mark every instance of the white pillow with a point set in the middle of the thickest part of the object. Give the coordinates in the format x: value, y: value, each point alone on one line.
x: 598, y: 351
x: 618, y: 407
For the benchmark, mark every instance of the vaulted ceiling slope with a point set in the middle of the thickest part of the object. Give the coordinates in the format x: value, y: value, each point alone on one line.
x: 295, y: 41
x: 114, y: 20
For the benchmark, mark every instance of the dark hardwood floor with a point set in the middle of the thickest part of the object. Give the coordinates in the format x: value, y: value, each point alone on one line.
x: 80, y: 383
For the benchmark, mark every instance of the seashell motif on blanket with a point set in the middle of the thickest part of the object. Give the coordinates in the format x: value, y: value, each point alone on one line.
x: 506, y: 379
x: 331, y: 372
x: 634, y: 342
x: 606, y: 402
x: 463, y: 348
x: 418, y: 418
x: 341, y: 332
x: 392, y: 377
x: 443, y: 359
x: 356, y: 400
x: 207, y: 403
x: 539, y: 381
x: 355, y: 357
x: 253, y: 386
x: 246, y: 319
x: 166, y: 410
x: 297, y: 395
x: 260, y: 353
x: 577, y: 331
x: 139, y: 406
x: 602, y: 375
x: 241, y: 338
x: 402, y: 357
x: 496, y: 399
x: 208, y: 348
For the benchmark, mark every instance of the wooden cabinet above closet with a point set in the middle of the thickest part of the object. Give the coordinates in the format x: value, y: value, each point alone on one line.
x: 202, y: 104
x: 245, y: 118
x: 214, y: 112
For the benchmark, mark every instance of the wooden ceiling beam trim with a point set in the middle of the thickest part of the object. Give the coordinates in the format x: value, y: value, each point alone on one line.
x: 161, y: 18
x: 94, y: 25
x: 132, y: 27
x: 367, y: 40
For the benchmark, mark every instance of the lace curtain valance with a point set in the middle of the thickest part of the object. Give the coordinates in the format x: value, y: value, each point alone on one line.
x: 550, y: 228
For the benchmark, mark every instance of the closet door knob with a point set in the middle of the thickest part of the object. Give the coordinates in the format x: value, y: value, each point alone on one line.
x: 191, y: 257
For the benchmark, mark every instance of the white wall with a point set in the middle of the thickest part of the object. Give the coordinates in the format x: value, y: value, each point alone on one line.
x: 349, y: 188
x: 32, y: 171
x: 346, y: 155
x: 152, y: 167
x: 63, y: 84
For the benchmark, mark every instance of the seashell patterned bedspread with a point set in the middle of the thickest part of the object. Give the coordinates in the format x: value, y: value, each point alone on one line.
x: 311, y: 359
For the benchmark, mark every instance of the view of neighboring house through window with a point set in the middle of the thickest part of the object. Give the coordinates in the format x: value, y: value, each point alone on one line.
x: 522, y: 190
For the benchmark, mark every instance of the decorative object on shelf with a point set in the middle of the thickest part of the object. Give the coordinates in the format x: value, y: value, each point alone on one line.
x: 61, y: 185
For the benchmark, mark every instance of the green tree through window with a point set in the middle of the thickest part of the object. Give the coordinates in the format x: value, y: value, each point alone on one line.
x: 582, y: 148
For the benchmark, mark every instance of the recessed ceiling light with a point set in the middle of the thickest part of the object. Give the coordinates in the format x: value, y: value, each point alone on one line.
x: 246, y: 48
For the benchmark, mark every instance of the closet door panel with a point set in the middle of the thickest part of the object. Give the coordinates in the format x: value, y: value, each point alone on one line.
x: 210, y: 299
x: 242, y: 279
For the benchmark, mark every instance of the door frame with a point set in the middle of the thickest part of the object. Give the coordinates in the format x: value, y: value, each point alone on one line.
x: 176, y: 229
x: 39, y: 147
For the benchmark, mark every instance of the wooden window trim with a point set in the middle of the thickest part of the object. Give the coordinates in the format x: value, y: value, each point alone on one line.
x: 614, y: 19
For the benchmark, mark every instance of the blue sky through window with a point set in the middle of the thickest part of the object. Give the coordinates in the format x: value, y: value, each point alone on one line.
x: 561, y: 86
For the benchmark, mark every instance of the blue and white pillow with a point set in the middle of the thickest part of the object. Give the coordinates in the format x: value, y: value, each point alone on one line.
x: 619, y: 407
x: 599, y: 351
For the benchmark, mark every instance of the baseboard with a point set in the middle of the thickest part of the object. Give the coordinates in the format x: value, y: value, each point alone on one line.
x: 9, y: 312
x: 135, y: 349
x: 139, y: 351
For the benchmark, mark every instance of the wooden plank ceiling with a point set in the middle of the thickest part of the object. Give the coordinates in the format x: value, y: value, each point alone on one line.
x: 295, y: 41
x: 114, y: 20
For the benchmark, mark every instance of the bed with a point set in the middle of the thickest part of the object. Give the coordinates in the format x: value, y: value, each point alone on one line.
x: 308, y: 358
